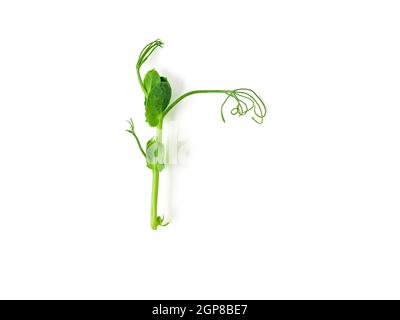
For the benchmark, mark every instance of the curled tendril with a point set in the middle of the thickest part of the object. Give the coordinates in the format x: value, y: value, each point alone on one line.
x: 246, y: 100
x: 160, y: 221
x: 147, y: 51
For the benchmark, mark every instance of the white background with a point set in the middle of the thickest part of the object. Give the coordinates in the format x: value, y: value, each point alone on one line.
x: 304, y: 206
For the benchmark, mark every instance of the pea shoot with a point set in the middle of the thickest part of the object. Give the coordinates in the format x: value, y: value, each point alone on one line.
x: 157, y: 93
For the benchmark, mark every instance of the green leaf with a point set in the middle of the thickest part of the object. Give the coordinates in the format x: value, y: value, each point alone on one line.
x: 157, y: 101
x: 151, y: 79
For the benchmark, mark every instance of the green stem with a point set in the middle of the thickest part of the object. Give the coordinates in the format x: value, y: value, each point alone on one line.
x: 154, y: 199
x: 140, y: 80
x: 154, y: 219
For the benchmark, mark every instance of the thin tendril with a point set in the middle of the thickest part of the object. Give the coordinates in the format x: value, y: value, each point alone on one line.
x: 132, y: 131
x: 143, y: 56
x: 147, y: 51
x: 241, y: 96
x: 246, y: 100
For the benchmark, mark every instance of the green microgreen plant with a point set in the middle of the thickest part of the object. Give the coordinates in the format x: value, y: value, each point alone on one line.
x: 157, y: 92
